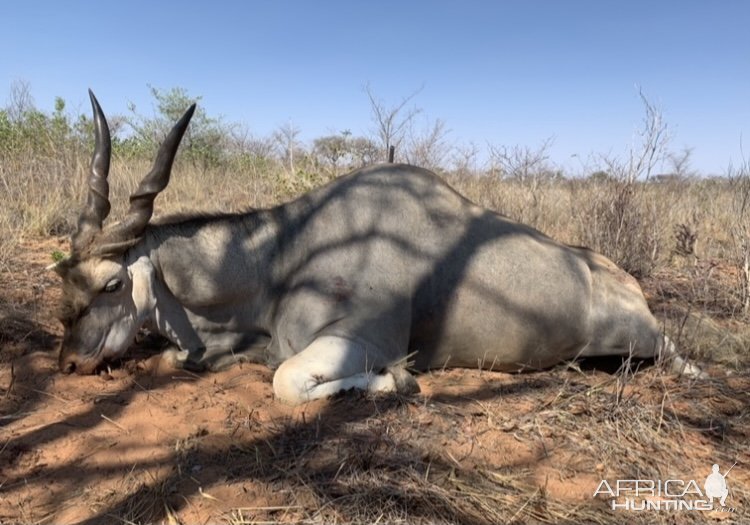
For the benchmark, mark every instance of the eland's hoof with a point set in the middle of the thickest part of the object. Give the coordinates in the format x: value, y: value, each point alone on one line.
x: 405, y: 382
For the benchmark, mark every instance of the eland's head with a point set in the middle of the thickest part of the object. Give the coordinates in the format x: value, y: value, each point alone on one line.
x: 105, y: 286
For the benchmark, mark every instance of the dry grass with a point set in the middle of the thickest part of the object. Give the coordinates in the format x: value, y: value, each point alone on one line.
x: 389, y: 467
x: 377, y: 460
x: 641, y: 226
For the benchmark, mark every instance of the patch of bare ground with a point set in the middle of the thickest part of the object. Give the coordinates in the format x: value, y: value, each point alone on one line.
x: 148, y: 444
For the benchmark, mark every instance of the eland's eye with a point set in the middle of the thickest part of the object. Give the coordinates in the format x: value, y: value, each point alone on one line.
x: 113, y: 285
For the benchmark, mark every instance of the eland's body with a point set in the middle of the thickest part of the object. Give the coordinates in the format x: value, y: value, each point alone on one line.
x: 338, y: 287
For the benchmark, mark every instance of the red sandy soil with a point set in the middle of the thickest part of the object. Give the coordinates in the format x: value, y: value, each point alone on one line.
x: 146, y: 443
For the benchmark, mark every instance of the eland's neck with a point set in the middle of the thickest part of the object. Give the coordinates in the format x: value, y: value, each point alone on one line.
x: 219, y: 269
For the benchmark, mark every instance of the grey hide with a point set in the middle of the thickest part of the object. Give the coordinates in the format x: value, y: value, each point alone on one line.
x: 339, y: 286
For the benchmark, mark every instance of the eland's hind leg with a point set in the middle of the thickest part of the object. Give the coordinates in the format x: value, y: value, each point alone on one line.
x: 667, y: 352
x: 641, y: 338
x: 330, y: 365
x: 621, y: 322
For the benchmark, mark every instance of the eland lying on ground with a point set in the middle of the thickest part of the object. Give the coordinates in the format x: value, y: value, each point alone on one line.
x: 338, y: 287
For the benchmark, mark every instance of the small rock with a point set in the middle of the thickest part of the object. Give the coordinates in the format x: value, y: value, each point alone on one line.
x: 508, y: 425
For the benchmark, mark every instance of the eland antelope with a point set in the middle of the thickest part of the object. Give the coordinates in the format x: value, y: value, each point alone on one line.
x: 338, y: 287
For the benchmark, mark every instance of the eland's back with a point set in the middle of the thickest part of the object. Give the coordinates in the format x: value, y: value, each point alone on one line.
x: 345, y: 287
x: 395, y: 252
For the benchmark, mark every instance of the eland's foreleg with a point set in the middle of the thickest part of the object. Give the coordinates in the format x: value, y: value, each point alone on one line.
x: 333, y: 364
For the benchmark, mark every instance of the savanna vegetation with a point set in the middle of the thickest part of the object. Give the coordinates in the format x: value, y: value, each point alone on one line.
x: 685, y: 236
x: 674, y: 226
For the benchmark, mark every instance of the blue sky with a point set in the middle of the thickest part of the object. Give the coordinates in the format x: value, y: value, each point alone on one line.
x: 506, y: 73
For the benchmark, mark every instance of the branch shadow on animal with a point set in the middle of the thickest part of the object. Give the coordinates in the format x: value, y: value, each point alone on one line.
x: 297, y: 267
x: 291, y: 456
x: 295, y: 270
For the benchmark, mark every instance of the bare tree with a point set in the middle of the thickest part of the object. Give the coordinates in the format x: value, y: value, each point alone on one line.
x: 739, y: 180
x: 529, y: 169
x: 364, y: 151
x: 20, y: 100
x: 428, y: 148
x: 245, y: 143
x: 391, y: 122
x: 463, y: 159
x: 680, y: 162
x: 654, y: 140
x: 626, y: 223
x: 286, y: 137
x: 520, y: 162
x: 332, y: 149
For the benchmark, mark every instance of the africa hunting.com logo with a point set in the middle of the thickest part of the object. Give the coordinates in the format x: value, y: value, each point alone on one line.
x: 670, y: 495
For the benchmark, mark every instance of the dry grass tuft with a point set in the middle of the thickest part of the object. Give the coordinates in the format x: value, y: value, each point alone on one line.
x: 443, y: 458
x: 389, y: 467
